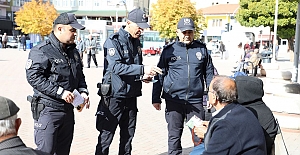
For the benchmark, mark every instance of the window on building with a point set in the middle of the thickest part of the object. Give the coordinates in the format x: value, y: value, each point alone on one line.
x: 65, y: 3
x: 80, y: 3
x: 220, y: 23
x: 97, y: 2
x: 72, y: 3
x: 58, y: 3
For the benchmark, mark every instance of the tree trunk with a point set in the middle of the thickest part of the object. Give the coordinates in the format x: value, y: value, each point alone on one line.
x: 291, y: 48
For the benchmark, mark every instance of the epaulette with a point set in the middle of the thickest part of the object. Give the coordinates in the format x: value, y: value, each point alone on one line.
x: 42, y: 44
x: 168, y: 45
x: 115, y: 35
x: 199, y: 42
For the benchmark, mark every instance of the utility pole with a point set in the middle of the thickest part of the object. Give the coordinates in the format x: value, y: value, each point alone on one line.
x: 296, y: 50
x: 275, y: 31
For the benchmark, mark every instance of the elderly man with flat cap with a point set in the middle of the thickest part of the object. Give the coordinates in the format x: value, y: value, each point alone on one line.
x: 10, y: 143
x: 185, y: 64
x: 54, y: 70
x: 123, y: 73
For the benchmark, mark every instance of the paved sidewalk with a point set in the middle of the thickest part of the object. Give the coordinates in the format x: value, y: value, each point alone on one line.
x: 151, y: 132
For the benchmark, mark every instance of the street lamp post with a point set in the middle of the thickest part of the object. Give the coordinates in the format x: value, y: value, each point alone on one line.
x: 260, y: 32
x: 275, y: 31
x: 117, y: 7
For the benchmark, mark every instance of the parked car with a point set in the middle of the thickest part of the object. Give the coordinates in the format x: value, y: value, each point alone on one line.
x: 12, y: 42
x: 151, y: 51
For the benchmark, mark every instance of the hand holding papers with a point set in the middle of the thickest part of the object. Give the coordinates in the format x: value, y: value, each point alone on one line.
x: 78, y: 101
x: 194, y: 121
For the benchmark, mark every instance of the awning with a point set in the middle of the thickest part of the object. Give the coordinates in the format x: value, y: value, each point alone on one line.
x: 263, y: 37
x: 6, y: 24
x: 94, y: 13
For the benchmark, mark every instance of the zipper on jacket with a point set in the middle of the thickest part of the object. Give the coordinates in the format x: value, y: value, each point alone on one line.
x: 188, y: 65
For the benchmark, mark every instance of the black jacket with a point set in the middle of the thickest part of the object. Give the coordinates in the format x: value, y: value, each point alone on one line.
x: 185, y: 67
x: 50, y: 70
x: 234, y: 131
x: 123, y: 65
x: 250, y: 92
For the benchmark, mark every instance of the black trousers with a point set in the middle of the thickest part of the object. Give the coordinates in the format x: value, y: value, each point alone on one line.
x: 89, y: 55
x: 120, y: 112
x: 24, y: 46
x: 54, y: 130
x: 176, y: 114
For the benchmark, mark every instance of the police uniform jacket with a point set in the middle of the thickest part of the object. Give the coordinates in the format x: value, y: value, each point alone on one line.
x: 123, y: 65
x: 184, y: 69
x: 50, y: 70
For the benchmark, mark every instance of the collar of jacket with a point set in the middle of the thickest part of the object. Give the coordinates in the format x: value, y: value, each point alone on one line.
x: 53, y: 39
x: 183, y: 44
x: 124, y: 35
x: 11, y: 142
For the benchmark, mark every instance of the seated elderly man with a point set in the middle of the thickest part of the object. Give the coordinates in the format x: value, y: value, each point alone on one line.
x: 233, y: 129
x: 250, y: 63
x: 10, y: 143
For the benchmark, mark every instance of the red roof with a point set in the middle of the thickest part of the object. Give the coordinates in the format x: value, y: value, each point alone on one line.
x: 220, y: 9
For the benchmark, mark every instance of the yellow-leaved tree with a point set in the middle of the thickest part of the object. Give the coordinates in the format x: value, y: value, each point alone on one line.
x: 36, y: 17
x: 165, y: 15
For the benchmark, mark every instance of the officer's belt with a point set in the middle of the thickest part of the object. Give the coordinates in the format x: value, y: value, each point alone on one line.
x: 57, y: 106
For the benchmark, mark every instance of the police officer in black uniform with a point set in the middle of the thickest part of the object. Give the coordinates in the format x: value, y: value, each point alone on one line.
x: 185, y: 64
x: 54, y: 70
x: 123, y: 71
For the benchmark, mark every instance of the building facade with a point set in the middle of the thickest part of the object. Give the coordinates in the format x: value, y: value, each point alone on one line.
x: 6, y: 17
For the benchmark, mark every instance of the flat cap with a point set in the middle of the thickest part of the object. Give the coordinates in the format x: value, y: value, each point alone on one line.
x: 7, y: 108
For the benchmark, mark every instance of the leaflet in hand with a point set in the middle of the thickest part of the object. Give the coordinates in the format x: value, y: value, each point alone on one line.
x: 78, y: 99
x: 194, y: 121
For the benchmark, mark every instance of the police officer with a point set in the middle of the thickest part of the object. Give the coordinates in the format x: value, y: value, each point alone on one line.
x: 123, y: 71
x: 54, y: 71
x: 185, y: 64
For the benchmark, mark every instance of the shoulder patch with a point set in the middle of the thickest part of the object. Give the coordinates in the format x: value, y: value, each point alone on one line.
x: 28, y: 64
x: 111, y: 52
x: 199, y: 55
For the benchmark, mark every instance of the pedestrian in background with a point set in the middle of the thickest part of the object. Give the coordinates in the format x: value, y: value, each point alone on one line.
x: 121, y: 84
x: 80, y: 47
x: 0, y: 40
x: 185, y: 64
x: 23, y: 42
x: 233, y: 129
x: 4, y: 40
x: 19, y: 41
x: 209, y: 47
x: 54, y: 70
x: 10, y: 142
x: 222, y: 50
x: 90, y: 47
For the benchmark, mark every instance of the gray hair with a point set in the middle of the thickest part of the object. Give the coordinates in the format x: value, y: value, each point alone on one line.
x: 7, y: 126
x: 225, y: 89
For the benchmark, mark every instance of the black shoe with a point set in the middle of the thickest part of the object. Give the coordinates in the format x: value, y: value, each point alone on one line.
x: 96, y: 66
x: 88, y: 67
